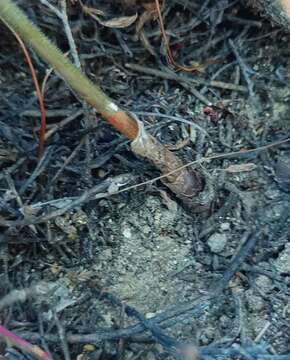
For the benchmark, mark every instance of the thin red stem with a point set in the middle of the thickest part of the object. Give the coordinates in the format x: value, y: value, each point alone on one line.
x: 38, y: 93
x: 167, y: 46
x: 124, y: 124
x: 23, y: 345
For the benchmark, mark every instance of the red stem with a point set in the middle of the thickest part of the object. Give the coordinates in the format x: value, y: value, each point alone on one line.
x: 23, y: 345
x: 124, y: 124
x: 39, y: 95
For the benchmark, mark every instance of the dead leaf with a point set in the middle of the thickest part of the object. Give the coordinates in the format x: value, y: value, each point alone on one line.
x: 92, y: 11
x: 143, y: 18
x: 119, y: 23
x: 237, y: 168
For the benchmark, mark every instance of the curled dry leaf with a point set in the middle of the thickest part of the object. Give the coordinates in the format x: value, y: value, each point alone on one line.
x: 92, y: 11
x: 119, y: 22
x: 237, y: 168
x: 148, y: 14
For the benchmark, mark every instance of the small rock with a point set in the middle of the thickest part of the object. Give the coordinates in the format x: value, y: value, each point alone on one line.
x: 275, y: 211
x: 272, y: 194
x: 80, y: 218
x: 225, y: 226
x: 217, y: 242
x: 150, y: 315
x: 207, y: 336
x: 282, y: 264
x: 255, y: 303
x: 225, y: 322
x: 127, y: 233
x: 150, y: 356
x: 264, y: 283
x: 107, y: 254
x: 147, y: 229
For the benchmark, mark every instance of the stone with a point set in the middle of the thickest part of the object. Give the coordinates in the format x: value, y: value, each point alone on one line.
x: 127, y: 233
x: 282, y: 264
x: 255, y: 303
x: 264, y: 283
x: 225, y: 226
x: 217, y: 242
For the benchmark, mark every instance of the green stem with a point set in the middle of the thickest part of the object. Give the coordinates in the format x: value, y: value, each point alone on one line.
x: 91, y: 93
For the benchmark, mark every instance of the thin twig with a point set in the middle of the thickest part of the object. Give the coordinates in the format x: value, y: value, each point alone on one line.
x: 67, y: 161
x: 167, y: 46
x: 244, y: 68
x: 62, y: 336
x: 69, y: 35
x: 180, y: 78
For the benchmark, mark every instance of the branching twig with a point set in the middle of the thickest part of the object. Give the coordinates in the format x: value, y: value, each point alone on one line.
x: 62, y: 15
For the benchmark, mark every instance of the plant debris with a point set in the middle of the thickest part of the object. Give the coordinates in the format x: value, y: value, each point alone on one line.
x: 136, y: 274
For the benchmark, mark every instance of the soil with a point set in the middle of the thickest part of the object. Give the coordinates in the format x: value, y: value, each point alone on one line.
x: 116, y: 259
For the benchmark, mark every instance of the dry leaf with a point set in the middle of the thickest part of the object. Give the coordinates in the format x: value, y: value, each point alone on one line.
x: 92, y: 11
x: 143, y: 18
x: 241, y: 168
x: 119, y: 23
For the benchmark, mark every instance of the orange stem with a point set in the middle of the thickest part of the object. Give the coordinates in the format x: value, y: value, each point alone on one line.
x: 38, y: 93
x: 23, y: 345
x: 123, y: 123
x: 167, y: 46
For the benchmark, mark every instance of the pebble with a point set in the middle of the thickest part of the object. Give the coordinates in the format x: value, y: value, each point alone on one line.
x: 150, y: 356
x: 127, y: 233
x: 264, y: 283
x: 207, y: 336
x: 217, y: 242
x: 150, y: 315
x: 282, y: 264
x: 255, y: 303
x: 225, y: 226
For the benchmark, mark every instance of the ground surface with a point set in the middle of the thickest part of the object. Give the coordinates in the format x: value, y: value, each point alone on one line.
x: 141, y: 248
